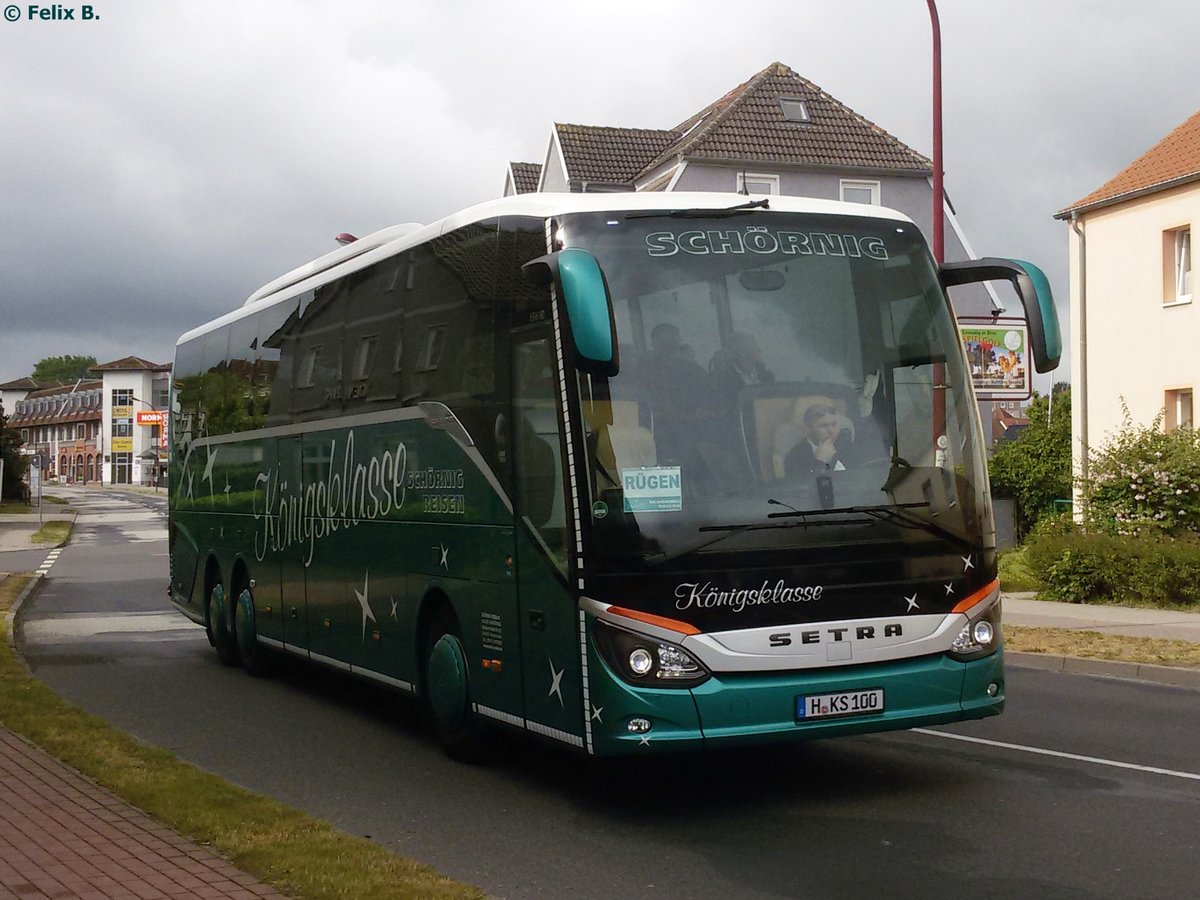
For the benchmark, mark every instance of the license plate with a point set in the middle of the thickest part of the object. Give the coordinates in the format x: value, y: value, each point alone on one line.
x: 846, y: 703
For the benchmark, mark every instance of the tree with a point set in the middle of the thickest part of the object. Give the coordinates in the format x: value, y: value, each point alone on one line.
x: 63, y: 368
x: 13, y: 486
x: 1035, y: 469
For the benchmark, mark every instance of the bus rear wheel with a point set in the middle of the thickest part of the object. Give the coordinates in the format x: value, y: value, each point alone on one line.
x: 220, y: 634
x: 448, y: 691
x: 254, y: 658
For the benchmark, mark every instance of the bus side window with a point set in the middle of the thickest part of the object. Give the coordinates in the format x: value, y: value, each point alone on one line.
x: 274, y: 359
x: 454, y: 330
x: 213, y: 413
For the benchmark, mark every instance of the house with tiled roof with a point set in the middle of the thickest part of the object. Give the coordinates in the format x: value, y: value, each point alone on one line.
x: 777, y: 133
x: 1133, y: 320
x: 18, y: 389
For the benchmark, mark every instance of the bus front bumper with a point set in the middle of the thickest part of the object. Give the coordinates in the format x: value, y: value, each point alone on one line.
x: 731, y: 710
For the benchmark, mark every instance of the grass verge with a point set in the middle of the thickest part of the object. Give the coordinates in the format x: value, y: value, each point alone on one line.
x: 53, y: 532
x: 299, y: 855
x: 1095, y: 645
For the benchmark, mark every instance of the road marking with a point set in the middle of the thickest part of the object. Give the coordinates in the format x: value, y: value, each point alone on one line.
x: 88, y: 625
x: 1095, y: 760
x: 50, y: 560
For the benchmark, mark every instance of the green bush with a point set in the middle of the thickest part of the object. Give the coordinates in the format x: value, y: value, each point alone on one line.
x: 1145, y: 481
x: 1079, y: 567
x: 1035, y: 469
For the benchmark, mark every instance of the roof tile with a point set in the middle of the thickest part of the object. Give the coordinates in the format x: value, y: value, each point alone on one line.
x: 525, y: 176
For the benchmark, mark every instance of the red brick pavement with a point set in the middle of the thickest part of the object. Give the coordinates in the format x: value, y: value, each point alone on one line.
x: 62, y: 836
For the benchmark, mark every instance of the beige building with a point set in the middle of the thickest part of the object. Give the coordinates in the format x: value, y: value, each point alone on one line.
x: 1134, y: 327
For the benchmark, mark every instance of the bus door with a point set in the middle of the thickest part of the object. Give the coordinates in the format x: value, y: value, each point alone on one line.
x: 549, y: 616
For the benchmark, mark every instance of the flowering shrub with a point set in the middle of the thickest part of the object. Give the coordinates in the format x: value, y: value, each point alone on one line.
x: 1146, y: 481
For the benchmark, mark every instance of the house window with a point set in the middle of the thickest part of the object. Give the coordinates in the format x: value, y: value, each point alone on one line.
x: 860, y: 191
x: 794, y: 109
x: 1177, y: 265
x: 751, y: 183
x: 1178, y: 409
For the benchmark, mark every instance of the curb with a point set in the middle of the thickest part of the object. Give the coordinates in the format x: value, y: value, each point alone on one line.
x: 1176, y: 676
x: 10, y: 618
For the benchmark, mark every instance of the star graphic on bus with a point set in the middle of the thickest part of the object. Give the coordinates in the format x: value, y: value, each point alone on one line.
x: 596, y: 711
x: 912, y: 603
x: 967, y: 564
x: 394, y: 616
x: 949, y: 589
x: 365, y: 604
x: 445, y: 551
x: 208, y: 470
x: 556, y: 683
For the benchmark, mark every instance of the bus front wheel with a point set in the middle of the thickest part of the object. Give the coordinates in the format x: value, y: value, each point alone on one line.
x: 448, y: 691
x: 220, y: 634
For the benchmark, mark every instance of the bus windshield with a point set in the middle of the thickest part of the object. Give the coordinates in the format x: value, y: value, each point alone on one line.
x: 784, y: 380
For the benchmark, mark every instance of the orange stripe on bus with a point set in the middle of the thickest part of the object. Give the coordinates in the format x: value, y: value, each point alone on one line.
x: 978, y: 597
x: 660, y: 621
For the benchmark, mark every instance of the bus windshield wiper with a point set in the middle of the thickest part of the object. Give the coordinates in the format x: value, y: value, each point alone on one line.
x: 898, y: 514
x: 703, y: 213
x: 728, y: 531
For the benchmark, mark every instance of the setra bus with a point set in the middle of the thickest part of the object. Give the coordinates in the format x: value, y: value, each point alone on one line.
x: 632, y: 472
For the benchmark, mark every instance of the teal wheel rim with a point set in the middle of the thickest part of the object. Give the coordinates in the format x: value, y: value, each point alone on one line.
x: 243, y: 622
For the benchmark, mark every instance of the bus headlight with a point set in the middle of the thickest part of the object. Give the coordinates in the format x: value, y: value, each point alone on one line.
x: 978, y: 638
x: 643, y: 660
x: 640, y: 661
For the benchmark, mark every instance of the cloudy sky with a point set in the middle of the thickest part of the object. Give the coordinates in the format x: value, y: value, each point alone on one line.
x: 163, y: 160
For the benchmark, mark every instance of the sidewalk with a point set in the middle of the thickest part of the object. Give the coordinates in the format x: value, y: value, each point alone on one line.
x: 63, y: 836
x: 1022, y: 609
x: 17, y: 529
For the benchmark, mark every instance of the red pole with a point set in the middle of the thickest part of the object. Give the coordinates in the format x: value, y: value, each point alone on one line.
x: 939, y: 245
x: 939, y: 235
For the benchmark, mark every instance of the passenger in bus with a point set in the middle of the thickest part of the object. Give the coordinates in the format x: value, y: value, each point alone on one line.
x: 741, y: 363
x: 824, y: 445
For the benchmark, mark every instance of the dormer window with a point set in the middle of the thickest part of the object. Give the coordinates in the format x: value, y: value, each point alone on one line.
x: 794, y: 109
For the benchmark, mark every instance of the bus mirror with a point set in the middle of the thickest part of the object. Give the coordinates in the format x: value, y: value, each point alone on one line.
x: 1045, y: 338
x: 581, y: 284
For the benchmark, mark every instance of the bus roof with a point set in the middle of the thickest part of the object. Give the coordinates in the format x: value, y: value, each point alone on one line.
x: 388, y: 241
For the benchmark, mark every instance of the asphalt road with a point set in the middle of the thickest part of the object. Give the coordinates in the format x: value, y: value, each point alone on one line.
x: 1085, y: 787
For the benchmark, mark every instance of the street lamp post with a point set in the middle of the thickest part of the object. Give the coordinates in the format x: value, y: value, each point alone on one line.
x: 939, y: 233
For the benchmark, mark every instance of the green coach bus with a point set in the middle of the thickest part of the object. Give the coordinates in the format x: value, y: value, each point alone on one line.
x: 632, y: 472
